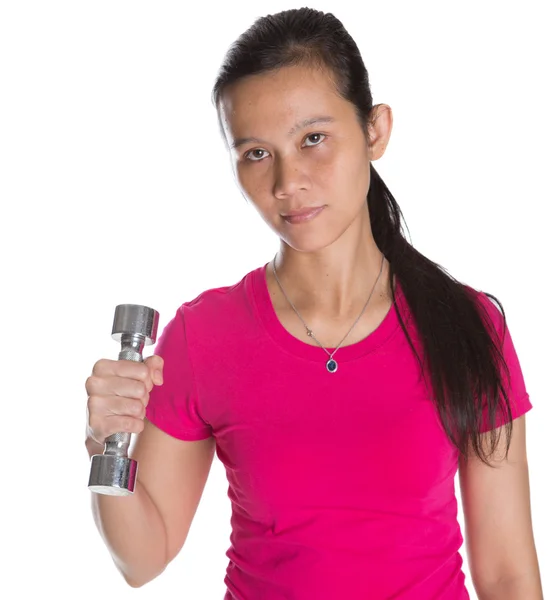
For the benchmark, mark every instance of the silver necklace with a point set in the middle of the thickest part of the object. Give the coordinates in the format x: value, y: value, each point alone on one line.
x: 331, y: 364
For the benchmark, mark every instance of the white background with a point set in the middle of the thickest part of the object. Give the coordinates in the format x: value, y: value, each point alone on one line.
x: 116, y: 188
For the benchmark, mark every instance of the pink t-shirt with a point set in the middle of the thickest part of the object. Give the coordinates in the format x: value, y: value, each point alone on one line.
x: 341, y: 484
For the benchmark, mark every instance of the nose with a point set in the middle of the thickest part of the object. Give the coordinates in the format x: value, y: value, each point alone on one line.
x: 290, y: 177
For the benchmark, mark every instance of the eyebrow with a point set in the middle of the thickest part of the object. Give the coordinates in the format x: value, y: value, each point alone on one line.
x: 294, y: 129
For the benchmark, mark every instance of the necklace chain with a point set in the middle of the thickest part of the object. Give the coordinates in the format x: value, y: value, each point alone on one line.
x: 331, y: 367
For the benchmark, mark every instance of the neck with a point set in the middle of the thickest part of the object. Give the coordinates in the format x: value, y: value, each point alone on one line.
x: 333, y: 282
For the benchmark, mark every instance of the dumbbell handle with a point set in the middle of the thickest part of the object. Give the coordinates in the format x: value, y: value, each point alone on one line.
x: 132, y: 346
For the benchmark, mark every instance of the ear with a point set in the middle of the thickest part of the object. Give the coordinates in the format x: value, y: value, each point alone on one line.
x: 380, y: 124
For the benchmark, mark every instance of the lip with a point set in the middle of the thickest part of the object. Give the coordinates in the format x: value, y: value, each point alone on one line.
x: 304, y: 215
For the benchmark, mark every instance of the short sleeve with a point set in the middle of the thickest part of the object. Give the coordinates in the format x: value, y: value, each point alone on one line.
x: 173, y: 406
x: 515, y: 388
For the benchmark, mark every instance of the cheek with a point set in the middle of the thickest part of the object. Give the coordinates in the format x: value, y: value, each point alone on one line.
x: 248, y: 181
x: 254, y: 185
x: 344, y: 172
x: 356, y: 168
x: 343, y: 158
x: 241, y: 176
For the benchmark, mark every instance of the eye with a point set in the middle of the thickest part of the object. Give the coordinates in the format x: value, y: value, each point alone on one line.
x: 313, y: 135
x: 258, y: 159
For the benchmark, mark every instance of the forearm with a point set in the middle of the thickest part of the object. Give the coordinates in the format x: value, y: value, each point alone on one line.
x: 526, y: 587
x: 132, y: 530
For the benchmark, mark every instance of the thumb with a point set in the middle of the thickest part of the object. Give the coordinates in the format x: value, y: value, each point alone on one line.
x: 155, y: 364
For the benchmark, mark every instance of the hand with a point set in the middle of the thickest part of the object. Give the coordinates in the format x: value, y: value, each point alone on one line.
x: 118, y: 393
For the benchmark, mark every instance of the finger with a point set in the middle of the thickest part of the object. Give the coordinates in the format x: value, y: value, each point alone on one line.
x: 103, y: 428
x: 101, y: 407
x: 119, y: 386
x: 128, y: 369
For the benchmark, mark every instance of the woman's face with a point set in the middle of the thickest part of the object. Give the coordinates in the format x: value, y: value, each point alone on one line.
x: 283, y: 160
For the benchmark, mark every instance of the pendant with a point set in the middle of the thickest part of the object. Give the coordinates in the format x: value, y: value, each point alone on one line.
x: 331, y: 365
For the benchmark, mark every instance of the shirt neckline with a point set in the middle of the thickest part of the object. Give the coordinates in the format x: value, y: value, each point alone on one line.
x: 269, y: 319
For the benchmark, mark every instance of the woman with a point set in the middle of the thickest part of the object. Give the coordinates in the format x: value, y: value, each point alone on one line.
x: 342, y: 384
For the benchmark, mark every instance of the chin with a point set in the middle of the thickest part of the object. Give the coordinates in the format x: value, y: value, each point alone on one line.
x: 311, y: 236
x: 311, y: 241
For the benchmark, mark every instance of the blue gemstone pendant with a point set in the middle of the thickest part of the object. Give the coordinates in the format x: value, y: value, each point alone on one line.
x: 331, y: 365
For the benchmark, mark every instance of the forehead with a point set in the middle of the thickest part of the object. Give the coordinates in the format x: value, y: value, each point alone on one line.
x: 278, y: 99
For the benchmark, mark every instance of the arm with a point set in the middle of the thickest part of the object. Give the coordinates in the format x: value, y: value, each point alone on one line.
x: 145, y: 531
x: 499, y: 535
x: 518, y: 588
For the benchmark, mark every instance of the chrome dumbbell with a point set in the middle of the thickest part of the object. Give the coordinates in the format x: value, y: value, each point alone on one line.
x: 113, y: 472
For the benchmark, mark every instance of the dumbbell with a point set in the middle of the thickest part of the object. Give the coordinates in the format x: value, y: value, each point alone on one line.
x: 113, y: 472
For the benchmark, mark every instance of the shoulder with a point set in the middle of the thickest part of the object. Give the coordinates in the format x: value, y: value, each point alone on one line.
x: 217, y: 301
x: 490, y: 308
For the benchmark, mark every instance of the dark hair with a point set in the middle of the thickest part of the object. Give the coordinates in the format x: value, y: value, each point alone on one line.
x: 463, y: 356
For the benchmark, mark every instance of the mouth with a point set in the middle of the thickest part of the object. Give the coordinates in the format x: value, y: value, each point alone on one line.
x: 303, y: 215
